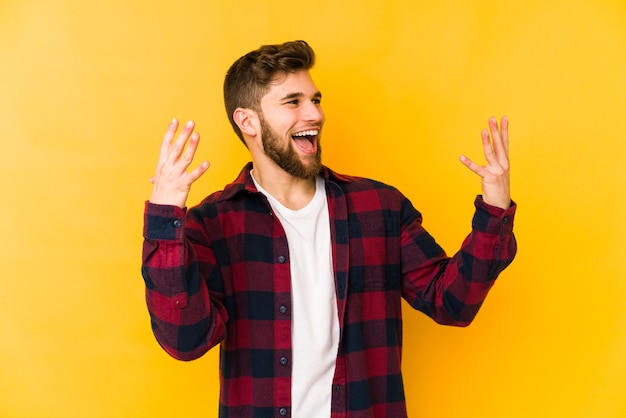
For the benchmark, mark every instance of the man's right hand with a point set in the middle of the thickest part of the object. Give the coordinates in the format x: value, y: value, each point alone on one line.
x: 172, y: 182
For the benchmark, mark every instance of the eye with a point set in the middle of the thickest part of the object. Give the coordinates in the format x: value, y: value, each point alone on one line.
x: 317, y: 101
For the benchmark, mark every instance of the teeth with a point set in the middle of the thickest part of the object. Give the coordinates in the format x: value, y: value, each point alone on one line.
x: 312, y: 132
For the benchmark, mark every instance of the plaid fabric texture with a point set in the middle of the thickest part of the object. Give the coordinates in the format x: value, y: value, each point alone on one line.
x: 219, y: 274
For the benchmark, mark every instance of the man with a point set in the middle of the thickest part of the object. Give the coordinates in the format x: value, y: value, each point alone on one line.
x: 297, y: 271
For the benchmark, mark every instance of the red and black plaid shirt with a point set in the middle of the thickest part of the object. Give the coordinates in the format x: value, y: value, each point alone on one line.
x: 219, y: 274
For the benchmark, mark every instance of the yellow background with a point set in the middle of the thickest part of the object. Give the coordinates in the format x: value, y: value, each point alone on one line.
x: 88, y: 88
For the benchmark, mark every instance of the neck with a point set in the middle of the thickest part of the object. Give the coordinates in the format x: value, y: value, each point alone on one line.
x: 293, y: 192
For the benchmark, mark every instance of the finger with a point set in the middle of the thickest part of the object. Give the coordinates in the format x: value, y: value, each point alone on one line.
x: 496, y: 138
x: 501, y: 141
x: 198, y: 171
x: 167, y: 140
x: 472, y: 166
x: 177, y: 147
x: 504, y: 132
x: 488, y: 148
x: 187, y: 157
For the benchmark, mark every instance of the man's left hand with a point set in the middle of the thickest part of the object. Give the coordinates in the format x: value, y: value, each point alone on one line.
x: 495, y: 175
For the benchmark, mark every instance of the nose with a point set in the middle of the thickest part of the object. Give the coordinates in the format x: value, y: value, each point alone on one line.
x: 312, y: 112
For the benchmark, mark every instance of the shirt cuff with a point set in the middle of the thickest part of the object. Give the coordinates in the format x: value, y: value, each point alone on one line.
x: 163, y: 222
x: 493, y: 219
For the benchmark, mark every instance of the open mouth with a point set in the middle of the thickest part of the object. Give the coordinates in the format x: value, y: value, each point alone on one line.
x: 306, y: 141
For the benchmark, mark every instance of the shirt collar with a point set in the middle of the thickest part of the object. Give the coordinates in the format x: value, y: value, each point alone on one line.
x: 244, y: 182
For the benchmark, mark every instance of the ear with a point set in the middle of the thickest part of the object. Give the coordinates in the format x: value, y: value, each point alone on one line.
x: 247, y: 121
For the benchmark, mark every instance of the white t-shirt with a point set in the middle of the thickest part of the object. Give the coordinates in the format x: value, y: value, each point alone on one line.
x: 315, y: 323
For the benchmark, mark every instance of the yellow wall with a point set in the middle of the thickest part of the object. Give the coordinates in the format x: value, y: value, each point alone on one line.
x: 87, y: 90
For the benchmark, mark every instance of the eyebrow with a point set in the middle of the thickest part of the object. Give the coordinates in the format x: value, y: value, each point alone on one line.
x: 291, y: 96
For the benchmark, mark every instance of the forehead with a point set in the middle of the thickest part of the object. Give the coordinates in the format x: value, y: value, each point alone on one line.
x: 299, y: 82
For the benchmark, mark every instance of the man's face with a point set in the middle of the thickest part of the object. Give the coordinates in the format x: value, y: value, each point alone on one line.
x: 291, y: 119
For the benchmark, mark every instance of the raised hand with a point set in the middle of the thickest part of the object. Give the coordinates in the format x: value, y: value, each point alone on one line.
x: 495, y: 175
x: 172, y: 182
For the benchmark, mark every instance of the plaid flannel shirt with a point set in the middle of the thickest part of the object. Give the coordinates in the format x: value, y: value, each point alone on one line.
x: 219, y: 274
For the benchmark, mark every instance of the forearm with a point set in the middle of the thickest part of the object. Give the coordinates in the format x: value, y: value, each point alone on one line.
x: 187, y: 318
x: 451, y: 290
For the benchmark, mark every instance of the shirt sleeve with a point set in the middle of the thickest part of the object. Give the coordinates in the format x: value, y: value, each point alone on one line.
x: 451, y: 289
x: 187, y: 318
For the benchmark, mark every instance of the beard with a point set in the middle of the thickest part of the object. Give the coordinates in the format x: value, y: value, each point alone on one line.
x: 288, y: 158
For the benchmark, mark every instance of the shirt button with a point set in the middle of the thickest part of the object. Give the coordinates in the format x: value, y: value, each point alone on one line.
x: 178, y: 223
x: 282, y: 309
x: 283, y: 411
x: 281, y: 259
x: 505, y: 220
x: 284, y: 361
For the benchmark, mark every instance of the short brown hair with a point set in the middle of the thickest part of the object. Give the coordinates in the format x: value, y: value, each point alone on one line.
x: 249, y: 78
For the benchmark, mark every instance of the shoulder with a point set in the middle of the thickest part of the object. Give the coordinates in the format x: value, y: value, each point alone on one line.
x: 365, y: 191
x: 352, y: 182
x: 229, y: 198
